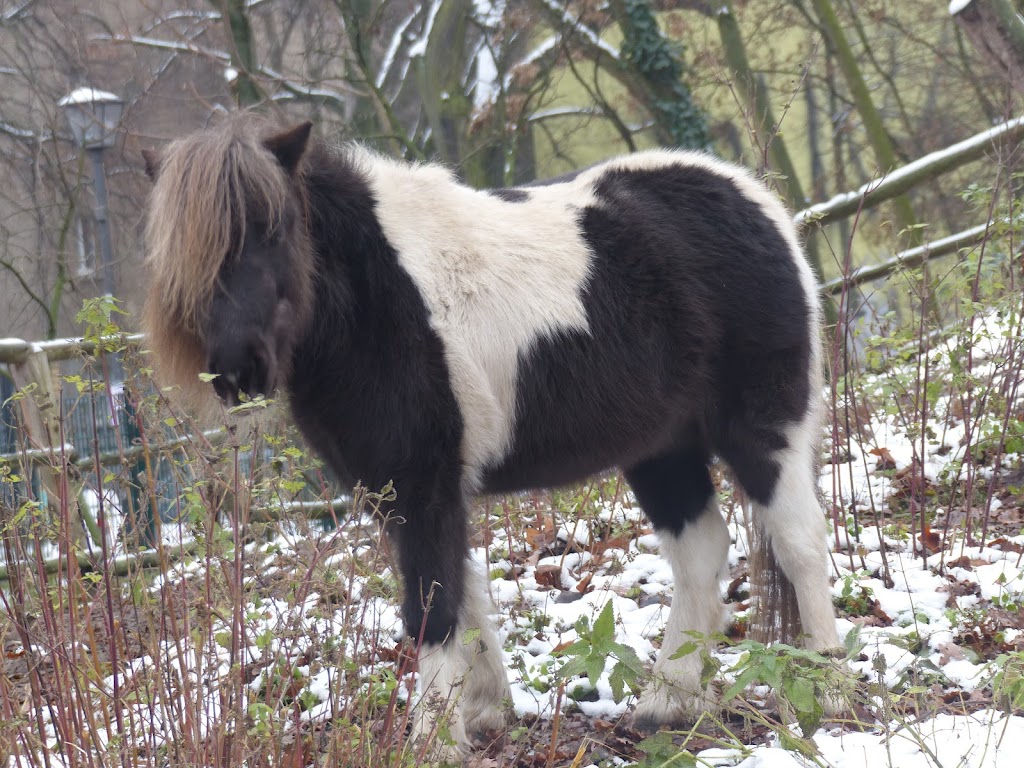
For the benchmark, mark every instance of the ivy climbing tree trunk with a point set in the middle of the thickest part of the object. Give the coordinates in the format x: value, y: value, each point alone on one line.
x: 678, y: 120
x: 243, y: 50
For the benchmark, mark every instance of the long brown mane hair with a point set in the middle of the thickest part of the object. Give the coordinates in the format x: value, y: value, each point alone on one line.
x: 208, y: 187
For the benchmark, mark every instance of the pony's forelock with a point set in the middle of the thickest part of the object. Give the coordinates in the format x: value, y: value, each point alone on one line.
x: 208, y: 183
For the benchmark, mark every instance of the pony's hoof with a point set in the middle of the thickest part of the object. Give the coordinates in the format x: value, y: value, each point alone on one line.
x: 439, y: 740
x: 666, y: 706
x: 492, y: 718
x: 440, y: 752
x: 837, y: 704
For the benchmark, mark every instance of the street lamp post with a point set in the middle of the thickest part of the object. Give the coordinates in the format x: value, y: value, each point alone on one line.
x: 94, y: 116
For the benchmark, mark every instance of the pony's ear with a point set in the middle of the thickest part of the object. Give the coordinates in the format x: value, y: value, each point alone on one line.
x: 289, y: 146
x: 153, y: 161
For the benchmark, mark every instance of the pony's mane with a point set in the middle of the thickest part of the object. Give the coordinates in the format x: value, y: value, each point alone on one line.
x: 207, y: 185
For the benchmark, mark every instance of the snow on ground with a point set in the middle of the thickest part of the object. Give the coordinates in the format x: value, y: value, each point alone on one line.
x: 920, y: 629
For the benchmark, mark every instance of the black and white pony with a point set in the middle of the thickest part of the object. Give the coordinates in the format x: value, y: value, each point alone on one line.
x: 647, y: 313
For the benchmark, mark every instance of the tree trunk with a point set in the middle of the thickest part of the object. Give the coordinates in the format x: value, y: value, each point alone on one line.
x: 877, y: 136
x: 996, y: 31
x: 243, y: 52
x: 755, y: 95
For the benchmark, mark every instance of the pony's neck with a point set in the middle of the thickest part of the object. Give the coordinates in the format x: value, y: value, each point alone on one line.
x: 340, y: 205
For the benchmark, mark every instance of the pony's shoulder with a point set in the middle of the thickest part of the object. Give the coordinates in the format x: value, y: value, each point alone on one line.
x: 395, y: 170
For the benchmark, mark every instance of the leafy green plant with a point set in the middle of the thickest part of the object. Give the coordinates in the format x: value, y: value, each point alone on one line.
x: 1008, y: 681
x: 660, y: 752
x: 855, y: 599
x: 588, y: 656
x: 801, y: 679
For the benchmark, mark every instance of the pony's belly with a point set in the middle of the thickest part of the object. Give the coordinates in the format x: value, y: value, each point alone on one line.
x: 511, y: 478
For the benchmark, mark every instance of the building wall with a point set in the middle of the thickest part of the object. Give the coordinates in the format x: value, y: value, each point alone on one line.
x: 46, y: 197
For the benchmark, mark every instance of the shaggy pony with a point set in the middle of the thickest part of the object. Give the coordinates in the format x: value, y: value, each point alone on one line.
x: 649, y: 313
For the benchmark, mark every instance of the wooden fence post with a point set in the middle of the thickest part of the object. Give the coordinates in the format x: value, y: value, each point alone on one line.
x: 40, y: 417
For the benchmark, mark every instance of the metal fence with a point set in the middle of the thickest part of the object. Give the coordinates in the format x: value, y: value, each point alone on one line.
x: 99, y: 422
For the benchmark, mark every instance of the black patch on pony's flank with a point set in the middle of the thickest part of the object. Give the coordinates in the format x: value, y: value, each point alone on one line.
x: 510, y: 194
x: 372, y: 393
x: 699, y: 337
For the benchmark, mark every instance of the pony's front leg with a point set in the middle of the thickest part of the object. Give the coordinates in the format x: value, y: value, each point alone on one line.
x: 462, y: 680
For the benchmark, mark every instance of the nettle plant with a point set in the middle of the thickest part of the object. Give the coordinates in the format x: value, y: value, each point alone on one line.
x: 588, y: 656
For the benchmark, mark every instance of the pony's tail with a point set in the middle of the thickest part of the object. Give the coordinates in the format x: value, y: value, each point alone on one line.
x: 774, y: 616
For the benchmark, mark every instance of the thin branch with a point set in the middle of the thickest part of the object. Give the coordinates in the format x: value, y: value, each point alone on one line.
x: 911, y: 174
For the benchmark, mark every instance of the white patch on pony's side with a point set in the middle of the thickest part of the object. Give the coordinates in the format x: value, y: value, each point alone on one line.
x: 463, y: 683
x: 496, y: 277
x: 698, y: 556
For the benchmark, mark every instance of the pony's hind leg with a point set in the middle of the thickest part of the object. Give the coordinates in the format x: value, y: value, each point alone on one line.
x: 676, y: 493
x: 793, y: 521
x: 778, y: 476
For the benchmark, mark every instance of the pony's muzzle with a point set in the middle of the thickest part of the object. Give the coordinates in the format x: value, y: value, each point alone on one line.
x: 249, y: 369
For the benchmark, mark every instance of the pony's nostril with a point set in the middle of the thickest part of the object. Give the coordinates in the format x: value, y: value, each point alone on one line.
x: 230, y: 381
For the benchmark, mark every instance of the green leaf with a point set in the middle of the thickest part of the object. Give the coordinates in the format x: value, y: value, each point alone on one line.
x: 800, y: 692
x: 572, y: 668
x: 595, y: 666
x: 603, y: 635
x: 746, y: 677
x: 616, y: 681
x: 660, y: 752
x: 579, y: 648
x: 685, y: 650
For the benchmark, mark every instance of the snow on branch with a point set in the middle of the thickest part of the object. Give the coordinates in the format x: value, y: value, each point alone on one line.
x: 420, y: 46
x: 311, y: 91
x: 902, y: 179
x: 168, y: 45
x: 909, y: 259
x: 13, y: 13
x: 393, y: 47
x: 579, y: 28
x: 293, y: 87
x: 15, y: 132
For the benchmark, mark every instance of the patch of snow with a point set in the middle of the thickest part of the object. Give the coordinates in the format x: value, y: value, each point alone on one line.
x: 420, y: 46
x: 87, y: 96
